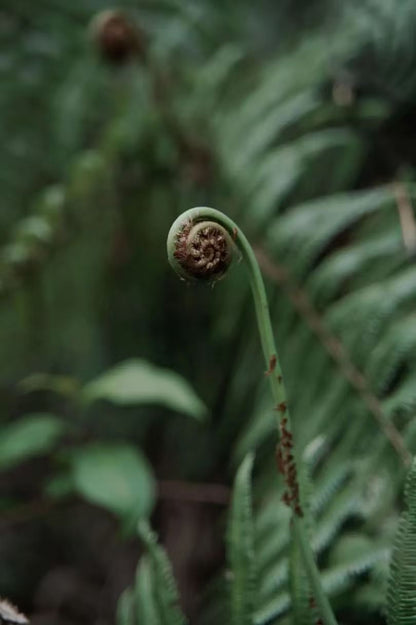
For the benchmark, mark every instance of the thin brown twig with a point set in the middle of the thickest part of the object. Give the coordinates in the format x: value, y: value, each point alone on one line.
x: 26, y: 512
x: 196, y: 493
x: 406, y: 216
x: 178, y: 490
x: 335, y: 349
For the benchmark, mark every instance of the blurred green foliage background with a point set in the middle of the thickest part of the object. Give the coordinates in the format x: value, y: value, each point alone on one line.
x: 126, y: 394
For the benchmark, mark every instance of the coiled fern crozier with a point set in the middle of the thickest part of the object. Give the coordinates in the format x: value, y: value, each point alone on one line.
x: 200, y: 247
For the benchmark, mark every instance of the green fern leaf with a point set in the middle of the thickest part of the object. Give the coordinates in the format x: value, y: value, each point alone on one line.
x: 145, y: 607
x: 125, y: 608
x: 241, y: 547
x: 303, y: 612
x: 157, y: 579
x: 401, y: 596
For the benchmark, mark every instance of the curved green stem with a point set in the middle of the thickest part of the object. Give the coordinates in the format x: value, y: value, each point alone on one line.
x: 277, y: 388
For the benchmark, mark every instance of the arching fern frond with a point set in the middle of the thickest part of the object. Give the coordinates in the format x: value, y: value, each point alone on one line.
x: 240, y: 539
x: 303, y: 605
x: 401, y: 596
x: 153, y: 600
x: 156, y: 578
x: 144, y: 592
x: 125, y: 608
x: 385, y: 51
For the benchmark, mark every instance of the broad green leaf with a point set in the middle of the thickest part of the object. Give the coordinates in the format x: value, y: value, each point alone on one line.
x: 138, y: 382
x: 33, y: 435
x: 115, y: 476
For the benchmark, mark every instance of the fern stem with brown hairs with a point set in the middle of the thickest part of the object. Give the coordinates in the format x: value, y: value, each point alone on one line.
x: 200, y: 247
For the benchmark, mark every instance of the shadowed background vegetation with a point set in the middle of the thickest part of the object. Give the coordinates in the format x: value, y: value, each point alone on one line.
x: 128, y: 395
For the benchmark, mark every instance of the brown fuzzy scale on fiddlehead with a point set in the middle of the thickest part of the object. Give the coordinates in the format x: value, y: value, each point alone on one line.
x: 200, y: 250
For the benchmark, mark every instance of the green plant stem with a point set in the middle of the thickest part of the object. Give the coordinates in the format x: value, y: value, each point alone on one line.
x: 312, y: 572
x: 276, y: 382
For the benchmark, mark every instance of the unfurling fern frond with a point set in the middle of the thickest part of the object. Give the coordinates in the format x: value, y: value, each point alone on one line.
x: 401, y: 595
x: 241, y: 548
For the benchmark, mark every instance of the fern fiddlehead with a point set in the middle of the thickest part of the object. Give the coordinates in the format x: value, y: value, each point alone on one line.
x: 199, y: 250
x: 200, y: 247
